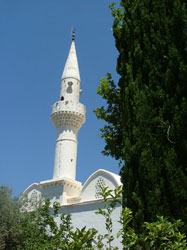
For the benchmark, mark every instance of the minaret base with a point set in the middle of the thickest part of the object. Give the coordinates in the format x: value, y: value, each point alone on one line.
x: 63, y: 190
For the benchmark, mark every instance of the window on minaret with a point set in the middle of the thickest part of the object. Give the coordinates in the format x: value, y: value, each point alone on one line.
x: 69, y: 90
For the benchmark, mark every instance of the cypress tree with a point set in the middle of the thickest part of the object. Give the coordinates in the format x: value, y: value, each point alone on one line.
x: 146, y: 111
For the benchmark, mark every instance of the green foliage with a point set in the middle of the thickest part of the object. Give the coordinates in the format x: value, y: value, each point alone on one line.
x: 146, y: 111
x: 163, y: 234
x: 160, y: 235
x: 39, y: 230
x: 111, y: 199
x: 9, y: 218
x: 130, y: 239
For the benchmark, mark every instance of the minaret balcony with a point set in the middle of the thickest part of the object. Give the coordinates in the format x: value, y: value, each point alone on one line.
x: 66, y: 113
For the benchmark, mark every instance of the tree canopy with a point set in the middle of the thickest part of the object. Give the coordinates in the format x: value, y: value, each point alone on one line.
x: 146, y: 111
x: 9, y: 219
x: 39, y: 229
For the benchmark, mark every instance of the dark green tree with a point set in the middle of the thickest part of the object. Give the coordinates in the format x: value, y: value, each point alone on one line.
x: 9, y: 219
x: 146, y: 112
x: 38, y: 229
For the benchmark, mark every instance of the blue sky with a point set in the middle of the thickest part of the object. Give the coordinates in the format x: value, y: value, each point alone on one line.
x: 35, y: 41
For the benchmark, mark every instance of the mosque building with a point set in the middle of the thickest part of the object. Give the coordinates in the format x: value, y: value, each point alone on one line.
x: 68, y: 116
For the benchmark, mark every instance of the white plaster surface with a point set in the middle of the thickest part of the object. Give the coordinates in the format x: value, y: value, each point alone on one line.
x: 70, y: 89
x: 68, y: 191
x: 83, y: 214
x: 65, y: 153
x: 68, y: 115
x: 91, y: 188
x: 71, y: 68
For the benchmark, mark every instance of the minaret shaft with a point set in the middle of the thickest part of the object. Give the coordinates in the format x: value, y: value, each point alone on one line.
x: 65, y: 153
x: 70, y: 90
x: 68, y: 115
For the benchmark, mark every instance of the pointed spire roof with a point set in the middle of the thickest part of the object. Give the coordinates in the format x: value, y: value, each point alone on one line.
x: 71, y: 68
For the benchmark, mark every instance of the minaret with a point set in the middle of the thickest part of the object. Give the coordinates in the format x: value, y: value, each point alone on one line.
x: 68, y: 115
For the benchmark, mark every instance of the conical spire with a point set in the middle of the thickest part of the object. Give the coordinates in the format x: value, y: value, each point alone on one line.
x: 71, y: 68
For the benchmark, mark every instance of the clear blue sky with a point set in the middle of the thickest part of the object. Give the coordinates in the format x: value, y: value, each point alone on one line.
x: 34, y: 44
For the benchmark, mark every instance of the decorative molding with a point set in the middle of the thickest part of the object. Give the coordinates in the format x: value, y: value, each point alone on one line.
x: 62, y: 182
x: 34, y: 196
x: 68, y: 114
x: 100, y: 183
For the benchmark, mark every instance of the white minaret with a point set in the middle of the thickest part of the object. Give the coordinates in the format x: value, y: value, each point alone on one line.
x: 68, y: 115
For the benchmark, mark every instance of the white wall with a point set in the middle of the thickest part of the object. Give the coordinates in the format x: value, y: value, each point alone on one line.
x: 83, y: 214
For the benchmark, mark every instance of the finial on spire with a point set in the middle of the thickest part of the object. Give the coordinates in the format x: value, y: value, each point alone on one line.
x: 71, y: 68
x: 73, y: 35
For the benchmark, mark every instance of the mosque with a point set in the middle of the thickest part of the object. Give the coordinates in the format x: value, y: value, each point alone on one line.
x: 68, y: 115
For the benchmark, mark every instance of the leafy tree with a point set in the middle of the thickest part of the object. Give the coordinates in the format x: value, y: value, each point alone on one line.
x: 41, y: 231
x: 110, y: 198
x: 164, y: 234
x: 9, y: 219
x: 159, y: 235
x: 146, y: 112
x: 38, y: 229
